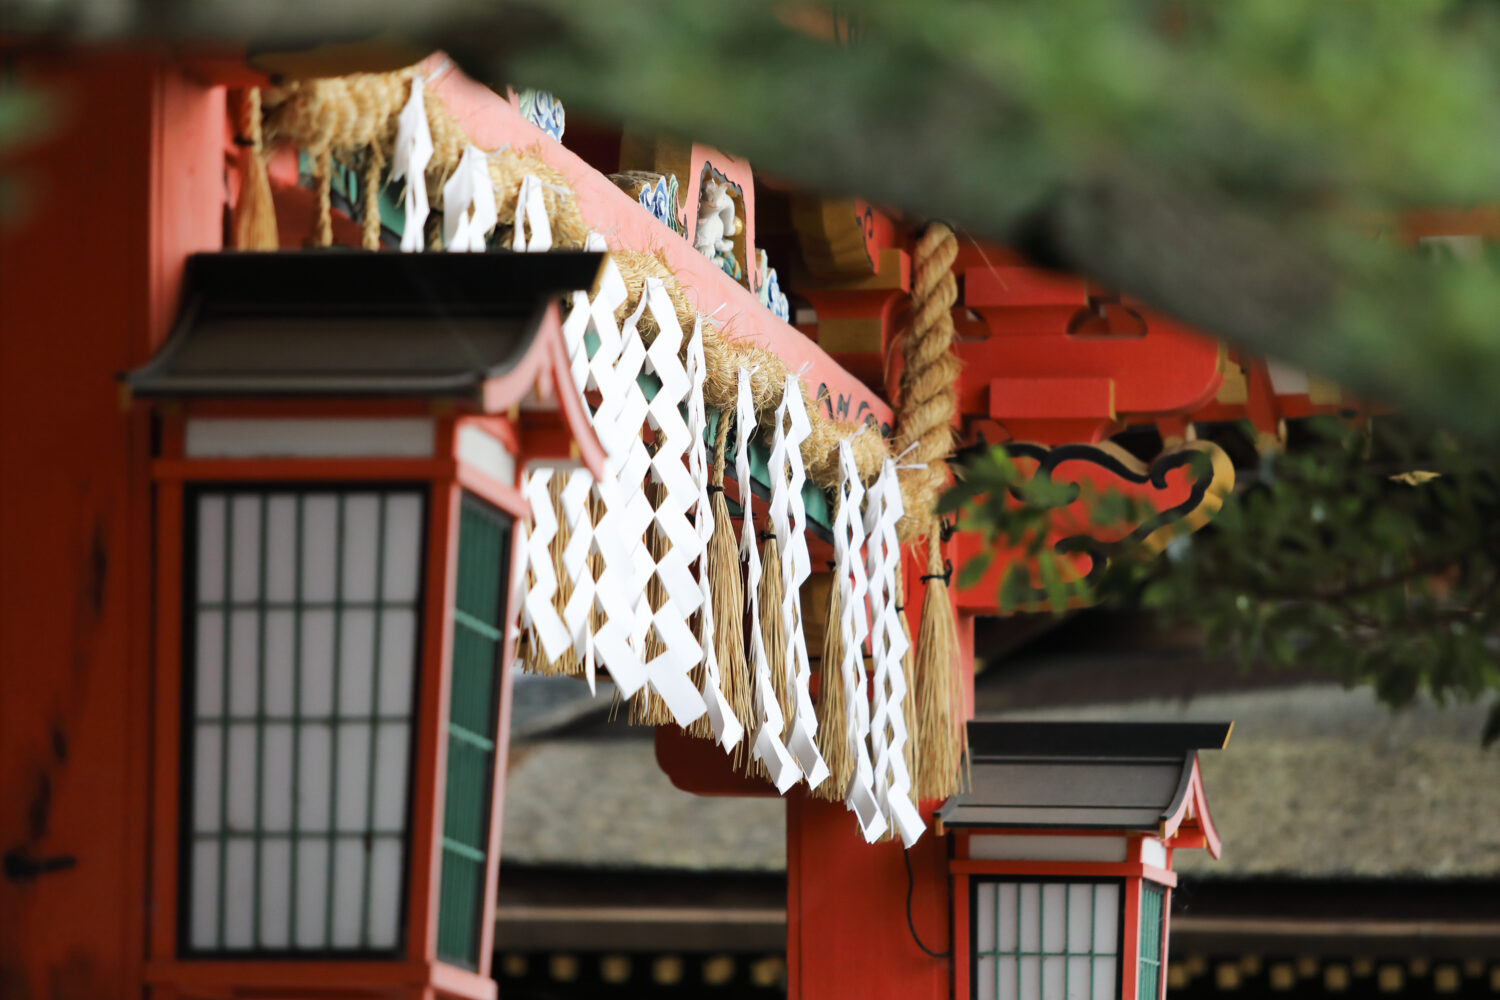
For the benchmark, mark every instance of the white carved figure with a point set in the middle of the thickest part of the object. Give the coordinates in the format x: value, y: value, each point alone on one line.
x: 717, y: 222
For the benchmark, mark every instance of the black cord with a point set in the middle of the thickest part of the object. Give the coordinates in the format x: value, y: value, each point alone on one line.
x: 911, y: 887
x: 945, y: 575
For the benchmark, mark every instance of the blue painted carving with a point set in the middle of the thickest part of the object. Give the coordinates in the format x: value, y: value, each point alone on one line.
x: 544, y: 111
x: 769, y: 289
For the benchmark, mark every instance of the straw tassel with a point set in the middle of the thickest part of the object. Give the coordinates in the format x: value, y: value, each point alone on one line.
x: 728, y: 594
x: 833, y: 712
x: 323, y: 185
x: 772, y: 628
x: 255, y: 212
x: 909, y: 713
x: 941, y: 731
x: 370, y: 222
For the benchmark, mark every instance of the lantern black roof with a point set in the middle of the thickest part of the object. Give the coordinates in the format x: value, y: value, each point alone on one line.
x: 331, y: 322
x: 1082, y: 775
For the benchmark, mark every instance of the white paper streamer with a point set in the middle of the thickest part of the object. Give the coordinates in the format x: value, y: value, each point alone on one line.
x: 789, y: 520
x: 575, y: 560
x: 539, y: 615
x: 531, y: 214
x: 769, y: 749
x: 409, y: 160
x: 670, y: 669
x: 619, y: 529
x: 727, y: 729
x: 848, y: 539
x: 469, y: 204
x: 888, y: 644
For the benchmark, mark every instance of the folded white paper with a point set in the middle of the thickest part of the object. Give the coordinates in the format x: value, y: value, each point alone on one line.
x: 545, y: 624
x: 469, y: 204
x: 854, y: 627
x: 888, y: 645
x: 769, y: 749
x: 532, y: 230
x: 680, y: 653
x: 409, y: 161
x: 727, y: 729
x: 788, y: 518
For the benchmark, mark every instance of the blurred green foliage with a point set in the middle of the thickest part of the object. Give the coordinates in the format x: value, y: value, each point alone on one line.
x: 1369, y: 553
x: 23, y: 117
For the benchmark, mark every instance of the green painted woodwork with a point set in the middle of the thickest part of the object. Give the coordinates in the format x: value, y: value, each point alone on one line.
x: 1153, y: 898
x: 478, y: 618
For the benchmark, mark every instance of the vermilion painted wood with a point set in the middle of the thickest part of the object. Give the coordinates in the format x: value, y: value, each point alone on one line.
x: 1130, y: 941
x: 846, y: 909
x: 493, y: 491
x: 962, y: 947
x: 167, y: 730
x: 1168, y: 371
x: 431, y: 750
x: 1166, y: 938
x: 290, y: 979
x: 132, y: 143
x: 299, y: 407
x: 303, y: 469
x: 701, y: 767
x: 1079, y: 869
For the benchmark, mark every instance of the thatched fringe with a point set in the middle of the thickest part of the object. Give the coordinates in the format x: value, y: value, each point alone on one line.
x: 255, y: 212
x: 942, y: 732
x: 833, y: 711
x: 346, y: 116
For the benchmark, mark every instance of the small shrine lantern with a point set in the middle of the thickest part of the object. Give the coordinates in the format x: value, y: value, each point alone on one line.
x: 1062, y: 859
x: 336, y: 455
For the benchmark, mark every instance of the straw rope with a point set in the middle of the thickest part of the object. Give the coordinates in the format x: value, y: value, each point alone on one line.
x: 928, y: 405
x: 928, y: 401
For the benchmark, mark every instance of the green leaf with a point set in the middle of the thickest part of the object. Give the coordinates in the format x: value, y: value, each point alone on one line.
x: 1015, y: 587
x: 974, y: 570
x: 1052, y: 581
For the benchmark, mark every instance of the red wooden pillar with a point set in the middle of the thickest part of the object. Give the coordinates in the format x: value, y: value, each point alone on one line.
x: 847, y: 932
x: 128, y: 180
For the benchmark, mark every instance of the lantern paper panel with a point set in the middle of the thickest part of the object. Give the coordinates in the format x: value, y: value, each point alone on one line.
x: 1046, y: 939
x: 303, y: 612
